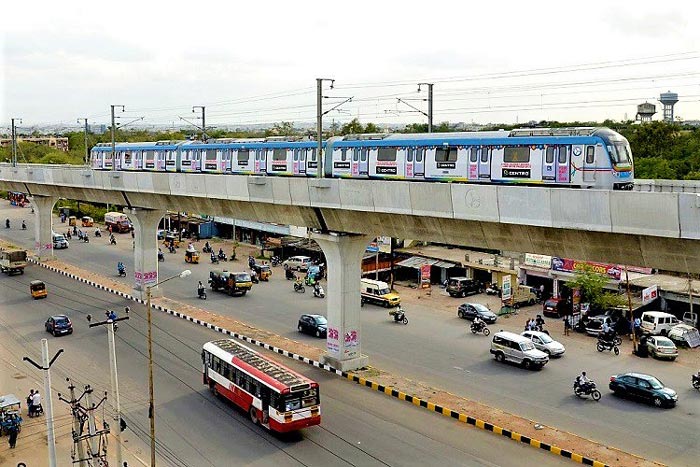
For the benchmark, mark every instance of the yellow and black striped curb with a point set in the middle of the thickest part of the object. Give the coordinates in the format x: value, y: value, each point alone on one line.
x: 388, y: 390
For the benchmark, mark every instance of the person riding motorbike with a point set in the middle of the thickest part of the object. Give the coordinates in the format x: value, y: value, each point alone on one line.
x: 221, y: 254
x: 214, y: 259
x: 251, y: 261
x: 582, y: 381
x: 86, y: 238
x: 98, y: 232
x: 121, y: 269
x: 289, y: 274
x: 539, y: 323
x: 478, y: 323
x: 200, y: 289
x: 190, y: 247
x: 112, y: 240
x: 206, y: 248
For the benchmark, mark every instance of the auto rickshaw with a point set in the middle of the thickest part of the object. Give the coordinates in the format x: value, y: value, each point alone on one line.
x: 263, y: 270
x: 37, y: 289
x: 10, y: 410
x: 171, y: 239
x: 192, y: 257
x: 72, y: 221
x: 87, y: 221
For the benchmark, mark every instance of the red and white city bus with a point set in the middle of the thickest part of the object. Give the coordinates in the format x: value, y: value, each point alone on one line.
x: 274, y: 396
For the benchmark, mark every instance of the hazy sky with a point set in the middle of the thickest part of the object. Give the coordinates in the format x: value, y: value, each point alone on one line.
x: 495, y: 61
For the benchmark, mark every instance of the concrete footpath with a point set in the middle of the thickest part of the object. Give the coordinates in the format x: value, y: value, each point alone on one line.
x: 435, y: 396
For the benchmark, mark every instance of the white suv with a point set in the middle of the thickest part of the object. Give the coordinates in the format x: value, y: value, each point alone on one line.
x: 518, y: 349
x: 299, y: 263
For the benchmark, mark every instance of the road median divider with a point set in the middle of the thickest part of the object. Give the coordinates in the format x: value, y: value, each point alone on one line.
x: 610, y: 455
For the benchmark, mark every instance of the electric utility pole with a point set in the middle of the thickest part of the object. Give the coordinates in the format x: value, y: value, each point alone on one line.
x: 430, y: 104
x: 203, y: 118
x: 319, y: 123
x: 87, y: 151
x: 78, y: 423
x: 45, y: 367
x: 14, y: 141
x: 114, y: 151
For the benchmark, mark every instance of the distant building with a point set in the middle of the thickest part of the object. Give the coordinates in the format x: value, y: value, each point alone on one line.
x: 645, y: 112
x: 55, y: 142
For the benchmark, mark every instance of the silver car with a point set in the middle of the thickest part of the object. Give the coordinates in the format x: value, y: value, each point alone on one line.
x: 662, y: 347
x: 545, y: 343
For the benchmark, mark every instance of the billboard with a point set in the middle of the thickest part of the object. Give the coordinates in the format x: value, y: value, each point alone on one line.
x: 650, y: 294
x: 613, y: 271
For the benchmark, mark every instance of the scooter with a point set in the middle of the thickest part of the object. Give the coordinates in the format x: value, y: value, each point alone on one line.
x: 607, y: 345
x: 275, y: 261
x: 202, y: 294
x: 206, y: 248
x: 299, y: 287
x: 696, y: 380
x: 161, y: 256
x: 587, y: 389
x: 222, y: 256
x: 98, y: 233
x: 493, y: 289
x: 319, y: 292
x: 399, y: 315
x: 480, y: 327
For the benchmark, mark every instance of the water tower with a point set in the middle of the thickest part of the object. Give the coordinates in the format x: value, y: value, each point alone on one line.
x: 668, y: 99
x: 645, y: 111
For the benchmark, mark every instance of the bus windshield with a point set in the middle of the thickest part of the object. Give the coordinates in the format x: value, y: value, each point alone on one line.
x: 301, y: 399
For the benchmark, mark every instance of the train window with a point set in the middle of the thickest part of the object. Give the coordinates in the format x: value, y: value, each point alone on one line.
x: 409, y: 156
x: 484, y: 155
x: 549, y: 155
x: 343, y: 154
x: 302, y: 154
x: 296, y: 155
x: 419, y: 154
x: 516, y: 154
x: 446, y: 154
x: 313, y: 155
x: 279, y: 155
x: 590, y: 154
x: 386, y: 154
x: 563, y: 154
x: 473, y: 154
x: 355, y: 156
x: 363, y: 154
x: 149, y: 154
x: 210, y: 154
x: 243, y: 155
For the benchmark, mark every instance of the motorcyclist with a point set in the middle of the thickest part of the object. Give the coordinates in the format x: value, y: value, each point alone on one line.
x: 200, y: 289
x: 214, y: 259
x: 190, y: 247
x: 161, y: 257
x: 539, y: 323
x: 222, y: 255
x: 398, y: 313
x: 112, y: 240
x: 98, y: 232
x: 24, y: 225
x: 251, y: 261
x: 120, y: 268
x: 582, y: 380
x: 478, y: 323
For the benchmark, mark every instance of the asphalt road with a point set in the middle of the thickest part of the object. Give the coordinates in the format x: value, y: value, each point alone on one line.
x: 359, y: 427
x: 454, y: 359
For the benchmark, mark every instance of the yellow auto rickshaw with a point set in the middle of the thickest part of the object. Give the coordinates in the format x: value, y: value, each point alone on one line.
x: 263, y: 271
x: 171, y: 239
x: 72, y: 221
x: 192, y: 257
x: 87, y: 221
x: 37, y: 289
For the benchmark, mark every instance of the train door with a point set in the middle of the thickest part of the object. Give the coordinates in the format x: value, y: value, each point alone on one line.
x: 260, y: 161
x: 563, y: 164
x: 138, y: 159
x: 355, y: 162
x: 295, y: 161
x: 407, y: 155
x: 589, y: 165
x: 485, y: 163
x: 302, y: 161
x: 548, y: 164
x: 473, y: 164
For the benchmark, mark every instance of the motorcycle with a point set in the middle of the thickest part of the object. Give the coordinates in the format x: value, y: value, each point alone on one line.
x: 275, y: 261
x: 222, y: 256
x: 254, y: 277
x: 696, y: 380
x: 202, y: 294
x: 214, y: 259
x: 476, y: 328
x: 607, y: 345
x: 206, y: 248
x: 171, y: 248
x: 121, y: 271
x: 161, y: 256
x: 24, y: 225
x: 493, y: 289
x: 586, y: 389
x: 86, y: 239
x: 98, y: 233
x: 112, y: 240
x: 35, y: 411
x: 289, y: 274
x: 319, y: 292
x: 398, y: 315
x: 299, y: 287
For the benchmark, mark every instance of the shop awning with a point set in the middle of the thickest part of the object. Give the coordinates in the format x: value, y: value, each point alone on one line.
x: 417, y: 261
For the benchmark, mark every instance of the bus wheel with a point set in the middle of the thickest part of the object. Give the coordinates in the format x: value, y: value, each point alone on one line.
x: 254, y: 415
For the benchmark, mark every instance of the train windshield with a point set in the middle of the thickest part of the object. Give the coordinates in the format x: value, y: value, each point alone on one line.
x: 620, y: 152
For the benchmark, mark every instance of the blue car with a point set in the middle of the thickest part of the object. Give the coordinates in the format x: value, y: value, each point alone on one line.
x: 58, y: 325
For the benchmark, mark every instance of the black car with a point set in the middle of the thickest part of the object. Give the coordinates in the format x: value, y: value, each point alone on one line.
x: 470, y: 310
x: 643, y: 387
x: 315, y: 325
x: 59, y: 324
x: 461, y: 287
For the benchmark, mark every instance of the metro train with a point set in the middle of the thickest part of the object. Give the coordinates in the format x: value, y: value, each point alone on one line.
x: 571, y: 157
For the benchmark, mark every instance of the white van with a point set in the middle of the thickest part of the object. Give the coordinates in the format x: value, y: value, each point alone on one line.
x: 299, y: 263
x: 658, y: 322
x: 59, y: 241
x: 379, y: 293
x: 508, y: 346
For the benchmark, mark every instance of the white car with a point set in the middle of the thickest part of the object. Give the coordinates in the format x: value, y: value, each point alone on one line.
x: 545, y: 343
x: 298, y: 263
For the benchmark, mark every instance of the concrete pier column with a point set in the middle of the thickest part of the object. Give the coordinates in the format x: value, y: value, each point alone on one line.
x: 146, y: 249
x: 43, y: 225
x: 343, y: 260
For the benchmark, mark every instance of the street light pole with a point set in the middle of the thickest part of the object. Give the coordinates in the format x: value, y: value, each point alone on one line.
x: 204, y: 122
x: 151, y: 399
x: 113, y: 129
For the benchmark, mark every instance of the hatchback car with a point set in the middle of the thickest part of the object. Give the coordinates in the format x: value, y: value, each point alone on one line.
x: 551, y: 307
x: 662, y: 347
x: 299, y: 263
x: 59, y: 324
x: 643, y: 387
x: 316, y: 325
x: 545, y: 343
x: 471, y: 310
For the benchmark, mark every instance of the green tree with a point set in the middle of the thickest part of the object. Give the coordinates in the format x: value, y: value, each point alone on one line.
x: 592, y: 288
x: 353, y: 127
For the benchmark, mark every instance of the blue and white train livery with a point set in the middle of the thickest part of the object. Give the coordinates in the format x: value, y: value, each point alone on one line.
x: 573, y: 157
